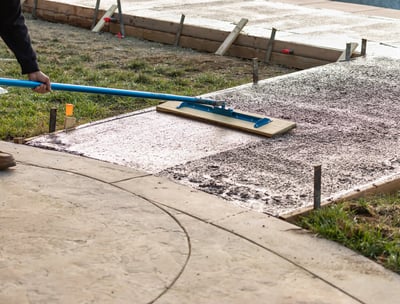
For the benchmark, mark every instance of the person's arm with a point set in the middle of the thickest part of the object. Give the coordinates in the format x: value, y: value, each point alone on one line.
x: 14, y: 32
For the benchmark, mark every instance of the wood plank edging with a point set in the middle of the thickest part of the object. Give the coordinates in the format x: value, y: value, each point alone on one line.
x: 194, y: 37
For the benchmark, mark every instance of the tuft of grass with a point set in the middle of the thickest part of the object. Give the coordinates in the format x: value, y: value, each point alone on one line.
x: 137, y: 65
x: 143, y: 79
x: 369, y: 226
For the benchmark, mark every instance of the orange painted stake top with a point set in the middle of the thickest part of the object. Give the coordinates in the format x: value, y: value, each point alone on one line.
x: 69, y: 109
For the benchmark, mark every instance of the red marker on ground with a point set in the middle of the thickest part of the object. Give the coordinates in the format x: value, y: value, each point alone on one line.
x: 109, y: 19
x: 287, y: 51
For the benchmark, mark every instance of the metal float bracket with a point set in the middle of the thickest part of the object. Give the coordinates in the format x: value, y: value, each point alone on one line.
x: 221, y: 110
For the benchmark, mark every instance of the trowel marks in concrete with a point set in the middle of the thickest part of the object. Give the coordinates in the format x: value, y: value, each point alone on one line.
x: 146, y: 140
x: 347, y: 120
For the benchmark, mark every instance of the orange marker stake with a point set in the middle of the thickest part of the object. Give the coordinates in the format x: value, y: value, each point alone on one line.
x: 69, y: 109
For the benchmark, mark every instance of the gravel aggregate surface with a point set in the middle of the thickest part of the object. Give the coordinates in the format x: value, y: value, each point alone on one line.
x: 347, y: 121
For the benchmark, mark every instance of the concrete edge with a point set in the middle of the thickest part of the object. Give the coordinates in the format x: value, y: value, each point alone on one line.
x: 385, y: 185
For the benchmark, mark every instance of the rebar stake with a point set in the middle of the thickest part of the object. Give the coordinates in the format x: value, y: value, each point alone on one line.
x: 53, y: 120
x: 317, y: 187
x: 255, y: 70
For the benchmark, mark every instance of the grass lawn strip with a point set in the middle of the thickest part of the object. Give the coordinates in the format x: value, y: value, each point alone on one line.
x: 369, y: 226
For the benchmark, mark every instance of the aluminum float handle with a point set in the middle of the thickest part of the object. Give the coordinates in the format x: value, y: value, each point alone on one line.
x: 109, y: 91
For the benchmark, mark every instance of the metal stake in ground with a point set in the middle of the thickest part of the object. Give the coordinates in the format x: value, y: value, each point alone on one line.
x: 317, y: 187
x: 179, y: 32
x: 270, y: 46
x: 35, y: 5
x: 255, y: 70
x: 364, y: 47
x: 53, y: 120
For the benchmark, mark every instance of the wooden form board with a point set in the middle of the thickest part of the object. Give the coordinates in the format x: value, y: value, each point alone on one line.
x: 139, y: 25
x: 194, y: 37
x: 275, y: 127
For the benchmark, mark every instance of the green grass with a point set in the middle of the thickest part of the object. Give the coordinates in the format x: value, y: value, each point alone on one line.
x: 369, y: 226
x: 25, y: 114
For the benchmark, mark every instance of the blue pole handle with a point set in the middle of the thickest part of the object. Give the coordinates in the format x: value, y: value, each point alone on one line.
x: 108, y: 91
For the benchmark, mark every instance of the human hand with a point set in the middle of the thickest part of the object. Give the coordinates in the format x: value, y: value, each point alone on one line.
x: 43, y: 78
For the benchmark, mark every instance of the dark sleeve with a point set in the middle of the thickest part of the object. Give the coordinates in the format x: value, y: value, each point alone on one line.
x: 14, y: 32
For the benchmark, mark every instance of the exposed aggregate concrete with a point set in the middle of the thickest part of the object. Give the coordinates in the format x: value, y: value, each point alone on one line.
x: 347, y: 121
